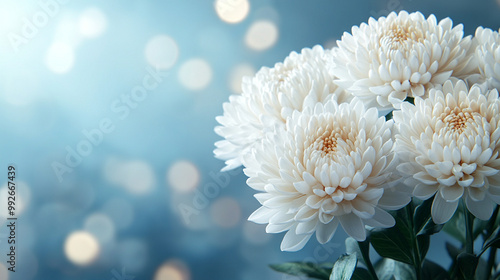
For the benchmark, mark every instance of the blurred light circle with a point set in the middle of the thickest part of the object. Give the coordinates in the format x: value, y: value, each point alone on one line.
x: 138, y: 177
x: 195, y: 74
x: 172, y: 270
x: 92, y: 23
x: 68, y: 30
x: 135, y: 176
x: 120, y: 211
x: 23, y: 198
x: 60, y: 58
x: 81, y: 248
x: 232, y: 11
x: 4, y: 273
x: 255, y: 233
x: 162, y: 52
x: 133, y: 254
x: 226, y: 212
x: 183, y: 176
x: 261, y: 35
x: 101, y: 226
x: 237, y: 75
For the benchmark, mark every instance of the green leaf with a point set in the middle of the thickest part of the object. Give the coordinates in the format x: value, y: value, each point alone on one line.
x: 467, y: 265
x: 388, y: 269
x: 456, y: 226
x: 388, y: 116
x: 432, y: 271
x: 423, y: 245
x: 493, y: 240
x: 361, y: 274
x: 392, y: 243
x: 302, y: 269
x: 480, y: 227
x: 410, y: 99
x: 344, y: 267
x: 404, y: 223
x: 351, y: 247
x: 423, y: 219
x: 482, y: 269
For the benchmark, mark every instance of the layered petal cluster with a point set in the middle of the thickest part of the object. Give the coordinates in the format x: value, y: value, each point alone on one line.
x: 449, y: 145
x: 488, y: 55
x: 270, y: 97
x: 332, y: 164
x: 399, y: 56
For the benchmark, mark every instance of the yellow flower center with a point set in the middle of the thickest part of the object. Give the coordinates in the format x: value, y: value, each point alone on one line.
x: 329, y: 144
x: 401, y: 36
x: 456, y: 120
x: 335, y: 142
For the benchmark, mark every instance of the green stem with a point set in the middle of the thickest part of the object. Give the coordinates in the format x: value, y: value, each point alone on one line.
x: 493, y: 252
x: 469, y: 231
x: 416, y: 250
x: 418, y: 262
x: 365, y: 251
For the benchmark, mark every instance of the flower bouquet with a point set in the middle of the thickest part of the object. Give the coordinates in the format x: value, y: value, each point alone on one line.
x: 393, y: 136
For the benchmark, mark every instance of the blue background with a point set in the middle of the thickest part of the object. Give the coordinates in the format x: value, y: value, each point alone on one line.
x: 126, y: 179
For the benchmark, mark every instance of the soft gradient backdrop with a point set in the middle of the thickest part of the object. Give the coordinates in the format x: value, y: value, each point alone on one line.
x: 108, y: 110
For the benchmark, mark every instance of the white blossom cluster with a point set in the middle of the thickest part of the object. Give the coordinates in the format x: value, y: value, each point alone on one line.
x: 314, y: 140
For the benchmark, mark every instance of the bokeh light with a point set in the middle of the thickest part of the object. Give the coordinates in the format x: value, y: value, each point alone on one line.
x: 135, y: 176
x: 60, y: 57
x: 237, y: 74
x: 172, y: 270
x: 68, y: 31
x: 149, y: 199
x: 92, y: 23
x: 22, y: 199
x: 162, y: 52
x: 261, y: 35
x: 232, y: 11
x: 183, y: 176
x: 195, y: 74
x: 81, y: 248
x: 226, y: 212
x: 100, y: 226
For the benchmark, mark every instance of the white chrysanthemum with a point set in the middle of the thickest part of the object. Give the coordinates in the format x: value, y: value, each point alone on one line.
x: 270, y: 97
x: 333, y: 164
x: 488, y: 55
x: 449, y: 144
x: 399, y: 56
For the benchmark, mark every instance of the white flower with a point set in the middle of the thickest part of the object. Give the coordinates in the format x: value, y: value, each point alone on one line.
x: 488, y: 55
x: 450, y: 142
x: 270, y: 97
x: 333, y: 164
x: 399, y: 56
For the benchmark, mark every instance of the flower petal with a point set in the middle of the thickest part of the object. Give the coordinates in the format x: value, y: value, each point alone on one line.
x: 441, y: 210
x: 353, y: 226
x: 480, y: 209
x: 293, y: 242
